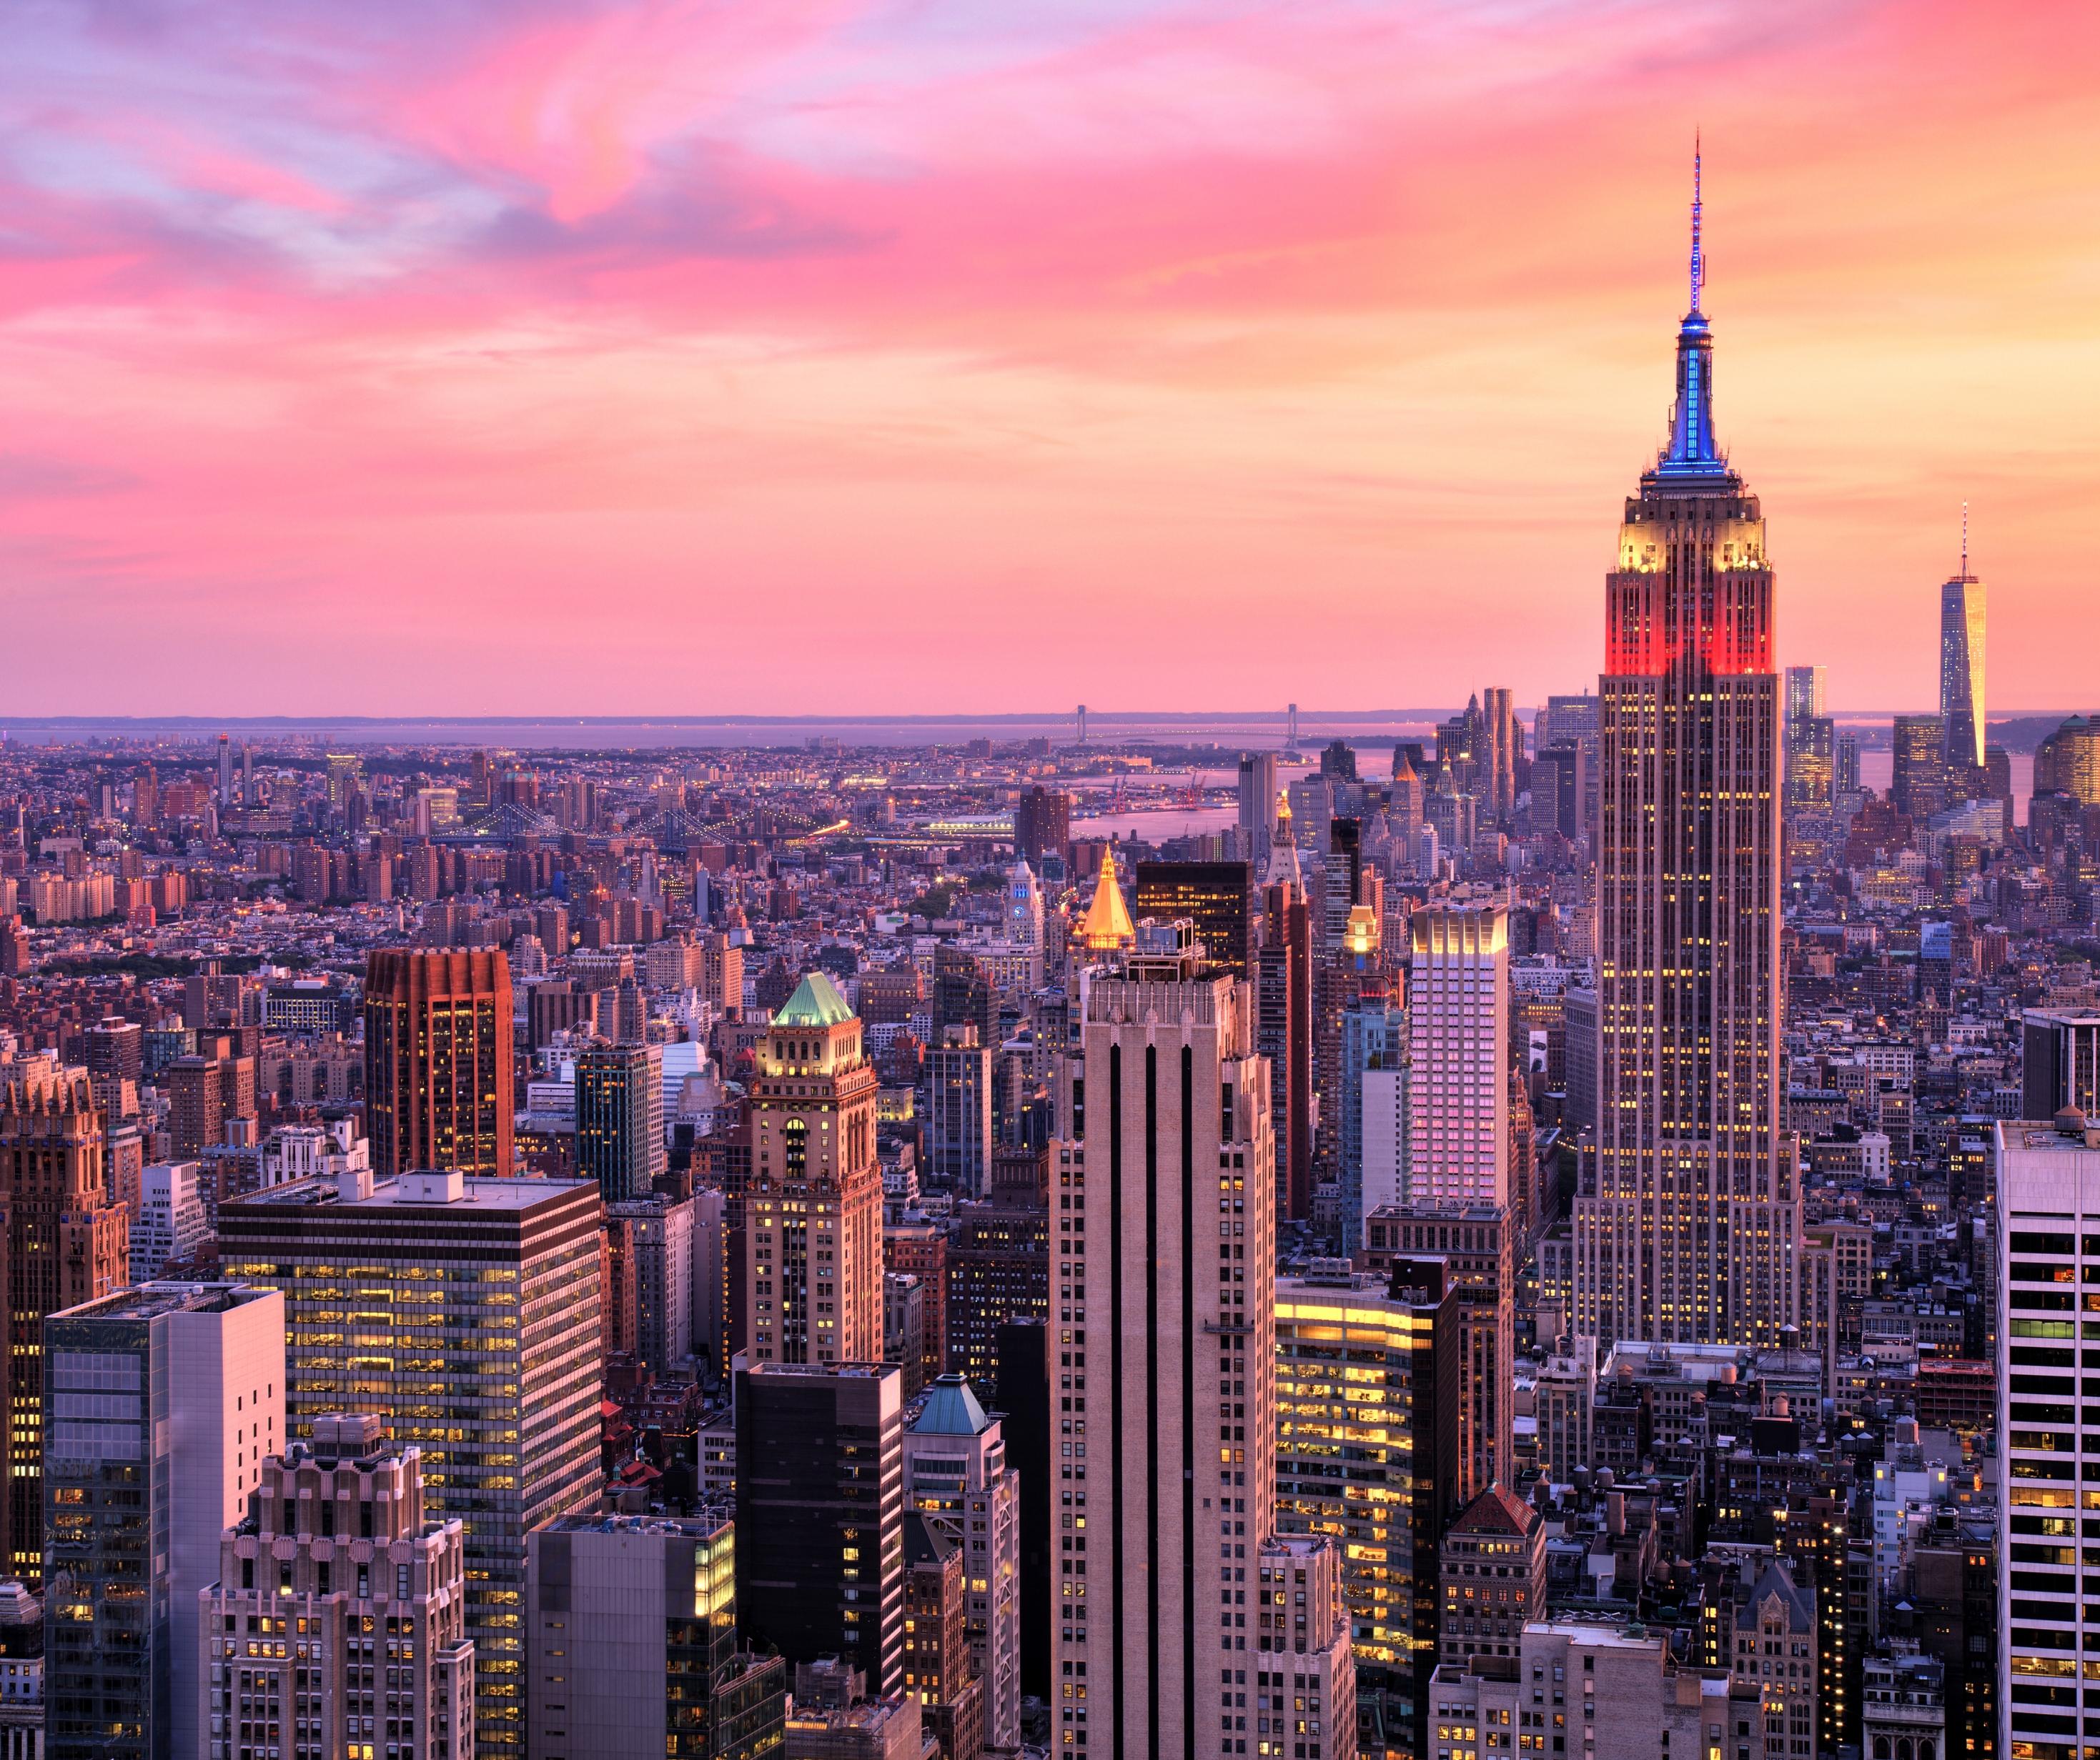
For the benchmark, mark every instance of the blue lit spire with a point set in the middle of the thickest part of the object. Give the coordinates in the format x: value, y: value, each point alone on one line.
x: 1692, y: 450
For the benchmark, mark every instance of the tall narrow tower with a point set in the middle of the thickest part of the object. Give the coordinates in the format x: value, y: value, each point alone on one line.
x: 1961, y: 603
x: 1689, y: 1230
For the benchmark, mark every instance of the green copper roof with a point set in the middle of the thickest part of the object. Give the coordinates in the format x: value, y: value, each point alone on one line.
x: 816, y: 1002
x: 952, y: 1410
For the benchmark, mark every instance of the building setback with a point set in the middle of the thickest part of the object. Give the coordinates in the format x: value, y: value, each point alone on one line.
x: 338, y: 1552
x: 465, y: 1313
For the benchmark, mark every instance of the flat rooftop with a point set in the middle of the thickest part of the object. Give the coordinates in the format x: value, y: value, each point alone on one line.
x: 477, y: 1196
x: 148, y: 1301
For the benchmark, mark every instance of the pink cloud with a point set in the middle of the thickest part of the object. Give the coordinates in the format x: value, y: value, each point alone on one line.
x: 882, y: 339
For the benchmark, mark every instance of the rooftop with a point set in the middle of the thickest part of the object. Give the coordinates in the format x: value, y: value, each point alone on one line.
x: 816, y: 1002
x: 149, y: 1301
x: 482, y: 1196
x: 952, y: 1410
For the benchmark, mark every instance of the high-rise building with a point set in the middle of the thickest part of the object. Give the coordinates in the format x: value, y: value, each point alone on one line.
x: 1690, y: 1229
x: 652, y: 1238
x: 1372, y: 1104
x: 814, y: 1262
x: 225, y: 771
x: 1160, y: 1626
x: 1493, y: 1569
x: 1286, y: 1004
x: 820, y: 1513
x: 438, y: 1060
x: 957, y: 1481
x: 69, y: 1243
x: 381, y: 1282
x: 937, y: 1646
x: 620, y: 1119
x: 1217, y: 897
x: 1505, y: 747
x: 1805, y: 693
x: 164, y: 1401
x: 2048, y: 1236
x: 1845, y: 764
x: 1042, y: 825
x: 1387, y: 1352
x: 335, y: 1545
x: 1559, y: 785
x: 998, y: 1261
x: 145, y: 797
x: 1808, y: 737
x: 2060, y: 1061
x: 634, y: 1645
x: 1258, y: 800
x: 959, y: 1104
x: 1962, y: 600
x: 1457, y: 1020
x: 171, y: 1223
x: 1918, y: 776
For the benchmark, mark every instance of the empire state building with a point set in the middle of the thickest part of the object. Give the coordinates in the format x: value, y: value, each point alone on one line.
x: 1687, y: 1226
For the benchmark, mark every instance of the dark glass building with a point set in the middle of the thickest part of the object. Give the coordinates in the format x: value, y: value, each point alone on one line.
x: 1218, y: 897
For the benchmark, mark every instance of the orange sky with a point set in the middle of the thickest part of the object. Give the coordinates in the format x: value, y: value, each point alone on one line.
x: 822, y: 357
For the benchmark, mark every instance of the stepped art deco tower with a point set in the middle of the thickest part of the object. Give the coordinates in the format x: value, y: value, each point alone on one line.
x: 1689, y: 1228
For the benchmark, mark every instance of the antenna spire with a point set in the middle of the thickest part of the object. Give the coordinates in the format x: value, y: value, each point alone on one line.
x: 1698, y: 261
x: 1965, y: 540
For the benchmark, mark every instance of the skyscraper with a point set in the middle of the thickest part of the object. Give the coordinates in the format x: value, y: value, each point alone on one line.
x: 820, y: 1513
x: 225, y: 771
x: 165, y: 1400
x: 1809, y: 736
x: 438, y: 1060
x: 1457, y: 1020
x: 384, y: 1285
x: 1258, y: 797
x: 69, y: 1243
x: 620, y: 1119
x: 1918, y: 783
x: 1218, y: 897
x: 1505, y: 739
x: 1691, y: 1230
x: 1962, y: 604
x: 812, y: 1240
x: 1042, y: 825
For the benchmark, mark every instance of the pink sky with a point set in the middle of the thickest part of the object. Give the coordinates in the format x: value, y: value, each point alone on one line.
x: 822, y: 357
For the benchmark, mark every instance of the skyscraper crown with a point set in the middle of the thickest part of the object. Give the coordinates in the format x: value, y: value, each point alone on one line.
x: 1691, y: 452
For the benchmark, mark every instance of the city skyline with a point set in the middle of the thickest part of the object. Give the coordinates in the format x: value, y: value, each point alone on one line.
x: 352, y: 346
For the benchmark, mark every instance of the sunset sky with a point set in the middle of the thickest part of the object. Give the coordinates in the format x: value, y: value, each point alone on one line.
x: 795, y: 356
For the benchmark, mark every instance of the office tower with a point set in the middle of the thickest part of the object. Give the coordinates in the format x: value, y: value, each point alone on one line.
x: 1367, y: 1450
x: 1492, y: 1571
x: 1559, y: 781
x: 904, y: 1328
x: 2060, y: 1061
x: 2048, y: 1238
x: 248, y: 795
x: 959, y: 1101
x: 634, y: 1646
x: 1145, y: 1613
x: 1692, y: 1229
x: 225, y: 771
x: 145, y: 797
x: 1962, y: 601
x: 963, y: 995
x: 1505, y: 740
x: 651, y: 1238
x: 1083, y: 723
x: 1042, y: 825
x: 1217, y: 897
x: 922, y: 1252
x: 820, y: 1513
x: 334, y: 1549
x: 620, y: 1118
x: 1404, y: 802
x: 999, y: 1260
x: 1370, y: 1097
x: 1258, y: 798
x: 1023, y: 1350
x: 68, y: 1244
x: 2067, y: 762
x: 438, y: 1060
x: 164, y: 1401
x: 1810, y: 761
x: 1457, y: 1020
x: 1285, y: 1005
x: 815, y: 1184
x: 1805, y: 693
x: 509, y: 1429
x: 1845, y: 764
x: 1575, y: 718
x: 957, y: 1482
x: 1311, y: 804
x: 171, y: 1223
x: 1918, y: 777
x: 937, y: 1645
